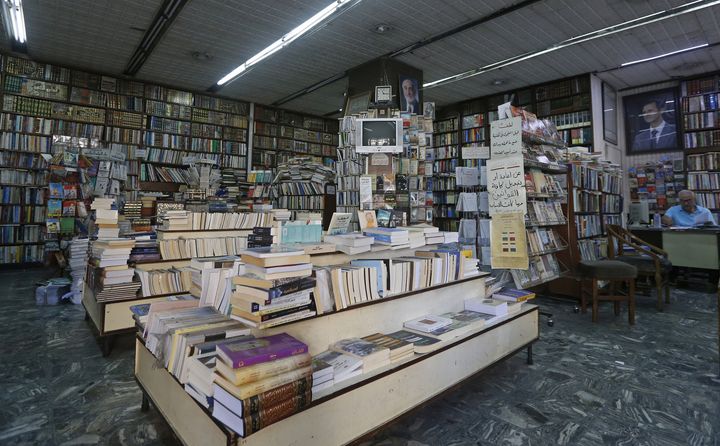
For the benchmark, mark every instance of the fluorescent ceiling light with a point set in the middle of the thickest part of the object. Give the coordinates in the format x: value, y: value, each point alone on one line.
x: 664, y: 55
x: 288, y: 38
x: 14, y: 20
x: 686, y: 8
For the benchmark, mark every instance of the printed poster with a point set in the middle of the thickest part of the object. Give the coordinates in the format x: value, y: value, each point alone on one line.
x: 508, y: 241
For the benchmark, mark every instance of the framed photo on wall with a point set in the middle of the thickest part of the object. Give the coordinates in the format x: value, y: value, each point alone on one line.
x: 358, y: 103
x: 609, y: 105
x: 410, y: 100
x: 651, y: 121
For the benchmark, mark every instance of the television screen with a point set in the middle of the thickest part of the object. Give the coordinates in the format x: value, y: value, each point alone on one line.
x: 379, y: 135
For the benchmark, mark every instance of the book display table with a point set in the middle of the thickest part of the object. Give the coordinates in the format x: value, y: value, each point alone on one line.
x: 113, y: 319
x: 369, y: 400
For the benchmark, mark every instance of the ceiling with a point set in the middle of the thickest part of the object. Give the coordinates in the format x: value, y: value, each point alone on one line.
x: 102, y: 35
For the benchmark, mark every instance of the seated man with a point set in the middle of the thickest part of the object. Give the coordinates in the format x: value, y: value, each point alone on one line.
x: 687, y: 213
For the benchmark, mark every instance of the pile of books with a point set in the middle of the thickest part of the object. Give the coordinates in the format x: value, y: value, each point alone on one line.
x: 77, y: 261
x: 106, y: 218
x: 352, y: 243
x: 260, y: 381
x: 276, y: 287
x: 261, y: 237
x: 146, y: 249
x: 448, y: 326
x: 395, y: 238
x: 109, y: 276
x: 333, y: 367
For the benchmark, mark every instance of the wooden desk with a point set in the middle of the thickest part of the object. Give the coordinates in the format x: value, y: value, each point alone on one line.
x: 691, y: 248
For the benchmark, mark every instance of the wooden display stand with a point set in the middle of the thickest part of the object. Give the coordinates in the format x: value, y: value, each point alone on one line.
x: 369, y: 400
x: 112, y: 319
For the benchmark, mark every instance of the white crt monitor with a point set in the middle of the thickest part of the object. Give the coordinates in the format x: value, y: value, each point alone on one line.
x: 376, y: 135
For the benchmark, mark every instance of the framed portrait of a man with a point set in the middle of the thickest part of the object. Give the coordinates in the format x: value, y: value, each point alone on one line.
x: 651, y: 121
x: 410, y: 100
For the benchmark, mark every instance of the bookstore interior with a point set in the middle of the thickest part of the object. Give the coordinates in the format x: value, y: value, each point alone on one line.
x: 393, y: 223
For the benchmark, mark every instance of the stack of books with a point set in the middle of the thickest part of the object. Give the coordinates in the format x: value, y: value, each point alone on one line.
x: 276, y: 287
x: 261, y: 237
x: 431, y: 234
x: 448, y: 326
x: 108, y: 274
x: 353, y: 243
x: 399, y: 349
x: 77, y: 261
x: 395, y: 238
x: 470, y: 267
x: 106, y: 218
x: 373, y: 356
x: 146, y: 249
x: 343, y: 367
x: 261, y: 381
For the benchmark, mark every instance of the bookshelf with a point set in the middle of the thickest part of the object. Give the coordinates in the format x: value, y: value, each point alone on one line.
x: 658, y: 183
x: 700, y: 106
x: 546, y: 222
x: 445, y: 152
x: 279, y: 135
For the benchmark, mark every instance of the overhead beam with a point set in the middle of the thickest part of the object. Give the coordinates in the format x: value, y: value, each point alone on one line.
x: 164, y: 18
x: 419, y: 44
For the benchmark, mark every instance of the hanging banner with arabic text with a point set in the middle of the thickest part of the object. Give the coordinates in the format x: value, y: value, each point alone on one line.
x: 506, y: 138
x: 506, y: 186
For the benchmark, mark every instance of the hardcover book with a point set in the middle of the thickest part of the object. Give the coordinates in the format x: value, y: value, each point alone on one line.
x: 255, y: 351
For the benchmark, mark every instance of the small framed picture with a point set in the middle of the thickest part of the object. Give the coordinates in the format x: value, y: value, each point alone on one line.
x: 358, y: 103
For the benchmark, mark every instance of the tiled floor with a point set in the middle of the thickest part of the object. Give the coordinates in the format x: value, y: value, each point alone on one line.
x: 592, y: 384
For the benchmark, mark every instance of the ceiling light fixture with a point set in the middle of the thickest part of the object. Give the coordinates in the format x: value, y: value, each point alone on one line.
x: 624, y: 26
x: 672, y: 53
x: 14, y: 21
x: 382, y: 28
x: 288, y: 38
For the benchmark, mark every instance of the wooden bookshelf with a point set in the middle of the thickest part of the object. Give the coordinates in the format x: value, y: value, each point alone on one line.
x: 278, y: 135
x: 700, y: 108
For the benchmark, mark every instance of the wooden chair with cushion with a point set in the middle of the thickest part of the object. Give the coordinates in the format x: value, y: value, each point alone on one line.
x: 615, y: 273
x: 650, y: 261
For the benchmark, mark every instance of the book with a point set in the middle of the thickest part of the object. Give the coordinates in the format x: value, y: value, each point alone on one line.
x: 272, y: 251
x: 427, y: 323
x: 513, y: 295
x: 488, y: 306
x: 246, y: 353
x: 421, y: 343
x: 281, y: 272
x: 339, y: 223
x: 267, y: 262
x: 252, y: 423
x: 462, y: 322
x: 372, y: 355
x: 344, y: 366
x: 367, y: 219
x: 264, y: 370
x: 264, y: 296
x: 399, y: 349
x: 257, y: 387
x: 256, y: 403
x: 354, y: 239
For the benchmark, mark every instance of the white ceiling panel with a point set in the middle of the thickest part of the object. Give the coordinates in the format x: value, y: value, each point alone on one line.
x: 101, y: 35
